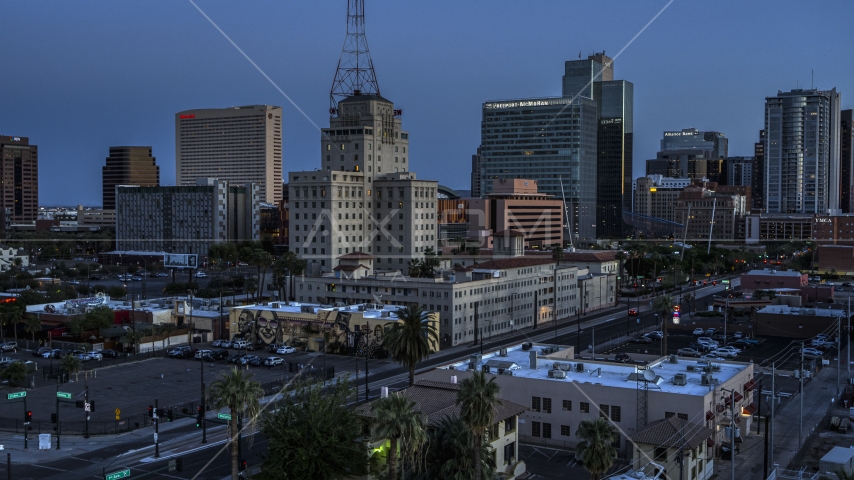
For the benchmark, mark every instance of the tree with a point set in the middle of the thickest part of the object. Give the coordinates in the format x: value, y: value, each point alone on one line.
x: 15, y: 373
x: 295, y: 266
x: 557, y: 253
x: 595, y: 449
x: 165, y: 329
x: 450, y: 452
x: 99, y: 317
x: 305, y: 430
x: 237, y: 391
x: 415, y: 267
x: 117, y: 291
x: 70, y: 364
x: 12, y: 313
x: 33, y: 325
x: 663, y: 306
x: 396, y: 418
x: 430, y: 262
x: 689, y: 299
x: 412, y: 338
x: 132, y: 337
x: 263, y: 261
x: 477, y: 399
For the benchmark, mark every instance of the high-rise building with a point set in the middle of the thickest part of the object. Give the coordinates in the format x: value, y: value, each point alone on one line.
x: 186, y: 219
x: 593, y: 78
x: 802, y: 152
x: 476, y: 190
x: 758, y: 185
x: 364, y: 198
x: 692, y: 139
x: 237, y: 144
x: 739, y: 171
x: 550, y: 140
x: 128, y: 166
x: 19, y: 169
x: 846, y: 162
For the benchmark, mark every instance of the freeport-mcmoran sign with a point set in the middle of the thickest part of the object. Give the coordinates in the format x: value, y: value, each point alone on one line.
x: 527, y: 103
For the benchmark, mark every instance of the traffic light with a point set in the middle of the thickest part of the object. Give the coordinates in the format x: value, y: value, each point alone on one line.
x: 169, y: 416
x: 198, y: 416
x: 150, y: 411
x: 242, y: 465
x: 28, y: 416
x: 179, y: 464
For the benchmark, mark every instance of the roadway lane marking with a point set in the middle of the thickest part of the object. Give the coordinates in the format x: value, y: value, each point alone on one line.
x: 49, y: 468
x: 177, y: 454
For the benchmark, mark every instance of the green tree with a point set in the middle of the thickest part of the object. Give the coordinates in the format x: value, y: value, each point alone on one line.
x: 430, y: 262
x: 477, y: 399
x: 99, y: 317
x: 397, y: 419
x: 70, y: 364
x: 415, y: 267
x: 663, y: 306
x: 557, y: 253
x: 132, y: 337
x: 412, y: 338
x: 595, y: 449
x: 295, y: 266
x: 33, y: 325
x: 237, y: 391
x: 310, y: 420
x: 11, y: 313
x: 450, y: 453
x: 117, y: 292
x: 15, y: 373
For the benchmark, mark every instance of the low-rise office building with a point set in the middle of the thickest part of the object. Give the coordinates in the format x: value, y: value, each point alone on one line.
x: 563, y: 391
x: 785, y: 321
x: 767, y: 278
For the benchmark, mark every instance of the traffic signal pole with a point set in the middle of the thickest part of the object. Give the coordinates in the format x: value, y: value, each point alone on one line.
x: 156, y: 430
x: 57, y: 417
x: 27, y: 426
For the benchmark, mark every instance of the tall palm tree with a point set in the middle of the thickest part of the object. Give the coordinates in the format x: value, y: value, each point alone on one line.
x: 263, y: 260
x: 412, y: 338
x: 397, y: 420
x: 557, y: 253
x: 477, y: 399
x: 595, y: 449
x: 663, y: 306
x: 33, y: 325
x: 15, y: 373
x: 236, y: 391
x: 450, y: 452
x: 70, y: 364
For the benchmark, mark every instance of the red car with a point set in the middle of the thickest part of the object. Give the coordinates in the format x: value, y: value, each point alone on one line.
x: 633, y: 312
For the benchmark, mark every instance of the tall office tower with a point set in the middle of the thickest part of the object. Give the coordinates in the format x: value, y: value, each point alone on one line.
x: 127, y: 166
x: 758, y: 184
x: 691, y: 139
x: 19, y: 169
x: 186, y: 219
x: 476, y: 190
x: 238, y: 144
x: 738, y: 171
x: 802, y: 152
x: 593, y: 78
x: 550, y: 140
x: 846, y: 161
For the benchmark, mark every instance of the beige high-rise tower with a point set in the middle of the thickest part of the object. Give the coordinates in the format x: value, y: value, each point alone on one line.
x: 238, y: 144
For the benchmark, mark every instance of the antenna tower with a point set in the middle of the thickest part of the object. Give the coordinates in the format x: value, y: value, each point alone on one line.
x: 355, y: 74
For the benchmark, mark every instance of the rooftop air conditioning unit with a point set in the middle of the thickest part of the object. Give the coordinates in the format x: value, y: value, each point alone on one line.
x: 527, y: 346
x: 707, y: 379
x: 385, y: 314
x: 579, y: 367
x: 716, y: 368
x: 674, y: 358
x: 503, y: 352
x: 475, y: 358
x: 691, y: 368
x: 552, y: 373
x: 559, y: 374
x: 275, y: 305
x: 680, y: 379
x: 361, y: 308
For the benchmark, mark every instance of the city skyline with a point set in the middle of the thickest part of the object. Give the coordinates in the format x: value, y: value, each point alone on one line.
x: 118, y: 74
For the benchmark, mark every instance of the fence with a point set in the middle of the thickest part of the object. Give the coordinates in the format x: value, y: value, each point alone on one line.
x: 52, y: 371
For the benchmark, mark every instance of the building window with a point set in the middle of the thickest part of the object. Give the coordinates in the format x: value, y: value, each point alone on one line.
x: 535, y: 404
x: 509, y: 452
x: 616, y: 413
x: 604, y: 411
x: 669, y: 414
x: 535, y: 429
x: 660, y: 454
x: 509, y: 425
x: 547, y: 430
x: 683, y: 416
x: 585, y: 407
x: 564, y: 430
x: 567, y: 405
x: 547, y: 405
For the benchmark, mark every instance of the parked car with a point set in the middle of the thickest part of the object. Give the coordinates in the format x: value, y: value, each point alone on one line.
x: 737, y: 335
x: 236, y: 358
x: 179, y: 352
x: 657, y: 335
x: 83, y: 357
x: 242, y: 264
x: 699, y: 331
x: 254, y: 346
x: 284, y: 350
x: 688, y: 352
x: 724, y: 353
x: 73, y: 282
x: 812, y: 353
x: 711, y: 331
x: 633, y: 312
x: 217, y: 355
x: 708, y: 340
x: 846, y: 284
x: 55, y: 353
x: 136, y: 278
x: 227, y: 344
x: 273, y: 347
x: 641, y: 340
x: 273, y: 361
x: 201, y: 275
x: 162, y: 274
x: 109, y: 353
x: 96, y: 356
x: 5, y: 361
x: 702, y: 347
x: 711, y: 356
x: 731, y: 349
x: 94, y: 277
x: 8, y: 346
x: 241, y: 344
x: 218, y: 343
x: 742, y: 343
x: 201, y: 354
x: 41, y: 351
x: 622, y: 358
x: 250, y: 360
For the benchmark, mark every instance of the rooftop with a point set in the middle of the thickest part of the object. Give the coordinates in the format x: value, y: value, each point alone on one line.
x: 368, y: 310
x: 603, y: 373
x: 673, y: 432
x: 768, y: 271
x: 787, y: 310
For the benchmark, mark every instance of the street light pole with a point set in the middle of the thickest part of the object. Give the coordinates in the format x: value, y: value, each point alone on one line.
x: 204, y: 407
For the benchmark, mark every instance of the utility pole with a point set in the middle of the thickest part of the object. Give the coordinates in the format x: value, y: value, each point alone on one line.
x: 848, y: 338
x: 156, y: 429
x: 204, y: 407
x: 773, y: 405
x: 801, y: 395
x: 838, y: 352
x: 86, y: 402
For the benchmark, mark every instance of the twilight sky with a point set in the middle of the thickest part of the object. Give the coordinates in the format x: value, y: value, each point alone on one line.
x: 81, y: 76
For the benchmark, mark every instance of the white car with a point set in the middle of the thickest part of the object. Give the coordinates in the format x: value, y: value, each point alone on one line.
x: 96, y: 356
x: 699, y: 331
x: 710, y: 356
x: 284, y: 350
x: 737, y: 335
x: 723, y: 353
x: 73, y: 282
x: 240, y: 344
x: 201, y: 275
x: 731, y: 349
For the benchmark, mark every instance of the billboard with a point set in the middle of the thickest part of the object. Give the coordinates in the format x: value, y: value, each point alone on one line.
x: 180, y: 260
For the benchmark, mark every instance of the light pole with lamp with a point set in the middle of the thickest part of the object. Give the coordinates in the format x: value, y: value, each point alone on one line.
x: 731, y: 430
x: 190, y: 322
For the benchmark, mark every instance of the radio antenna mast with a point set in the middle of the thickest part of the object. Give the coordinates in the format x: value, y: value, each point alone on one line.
x: 355, y: 74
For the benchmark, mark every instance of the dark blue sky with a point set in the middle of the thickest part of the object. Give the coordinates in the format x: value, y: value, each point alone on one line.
x: 80, y: 76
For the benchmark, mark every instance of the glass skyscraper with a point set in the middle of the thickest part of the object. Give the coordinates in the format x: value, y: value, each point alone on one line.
x: 692, y: 139
x: 548, y: 140
x: 802, y: 152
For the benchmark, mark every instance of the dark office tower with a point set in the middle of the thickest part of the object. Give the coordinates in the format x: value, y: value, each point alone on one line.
x: 475, y: 175
x: 133, y: 166
x: 802, y: 152
x: 594, y: 78
x: 19, y: 169
x: 758, y: 181
x: 691, y: 139
x: 846, y: 162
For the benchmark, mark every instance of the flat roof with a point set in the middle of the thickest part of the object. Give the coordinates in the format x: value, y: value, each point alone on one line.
x: 368, y: 310
x: 609, y: 374
x: 779, y: 273
x: 787, y: 310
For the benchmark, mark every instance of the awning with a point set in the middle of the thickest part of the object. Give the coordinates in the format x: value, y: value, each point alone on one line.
x: 748, y: 409
x: 709, y: 415
x: 749, y: 385
x: 738, y: 397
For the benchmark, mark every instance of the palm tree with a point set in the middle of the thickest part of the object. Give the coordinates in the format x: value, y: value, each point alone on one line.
x: 412, y: 338
x: 397, y: 420
x: 557, y: 253
x: 595, y: 449
x: 70, y: 364
x: 236, y: 391
x: 663, y: 305
x: 33, y: 325
x: 477, y: 399
x: 132, y: 337
x: 415, y: 267
x: 263, y: 260
x: 450, y: 452
x: 15, y: 373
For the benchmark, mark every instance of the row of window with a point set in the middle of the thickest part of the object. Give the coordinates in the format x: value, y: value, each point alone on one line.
x: 544, y: 405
